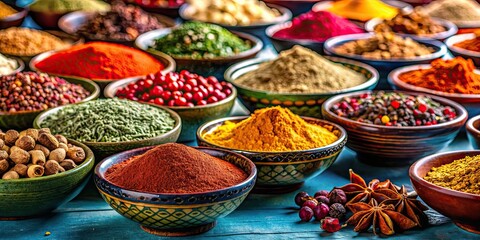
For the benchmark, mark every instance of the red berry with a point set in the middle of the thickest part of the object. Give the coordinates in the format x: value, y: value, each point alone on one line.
x: 198, y: 96
x: 148, y: 83
x: 150, y: 76
x: 188, y: 96
x: 218, y: 86
x: 305, y: 214
x: 173, y: 86
x: 212, y: 99
x: 187, y: 88
x: 395, y: 104
x: 192, y: 82
x: 171, y: 103
x: 156, y: 91
x: 181, y: 101
x: 212, y: 80
x: 422, y: 108
x: 331, y: 225
x: 177, y: 93
x: 159, y: 101
x: 180, y: 85
x: 171, y: 77
x: 201, y: 103
x: 166, y: 95
x: 145, y: 97
x: 227, y: 92
x: 321, y: 211
x: 312, y: 203
x: 190, y: 104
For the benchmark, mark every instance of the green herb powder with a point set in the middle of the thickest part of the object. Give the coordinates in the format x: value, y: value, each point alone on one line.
x: 109, y: 120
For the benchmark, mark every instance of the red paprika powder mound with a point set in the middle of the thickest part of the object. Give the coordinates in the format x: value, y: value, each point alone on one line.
x: 100, y: 60
x: 174, y: 168
x: 317, y: 26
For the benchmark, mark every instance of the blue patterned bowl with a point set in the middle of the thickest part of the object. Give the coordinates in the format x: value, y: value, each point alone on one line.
x: 280, y: 172
x: 175, y: 214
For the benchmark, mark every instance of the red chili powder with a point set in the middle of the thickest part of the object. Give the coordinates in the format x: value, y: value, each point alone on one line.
x: 174, y: 168
x: 100, y: 60
x: 317, y: 26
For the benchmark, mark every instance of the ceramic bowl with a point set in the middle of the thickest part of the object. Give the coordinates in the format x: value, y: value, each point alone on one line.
x: 105, y: 149
x: 473, y: 131
x: 72, y: 22
x: 280, y: 172
x: 463, y: 208
x: 192, y: 117
x: 21, y: 120
x: 451, y: 29
x: 168, y: 63
x: 47, y: 20
x: 461, y: 52
x: 384, y: 66
x: 31, y: 197
x: 172, y: 214
x: 15, y: 19
x: 308, y: 104
x: 396, y: 146
x: 297, y: 7
x: 471, y: 102
x: 20, y: 64
x: 281, y: 44
x: 257, y: 29
x: 204, y: 67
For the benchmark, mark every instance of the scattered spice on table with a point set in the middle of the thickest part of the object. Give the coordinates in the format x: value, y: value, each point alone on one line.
x: 122, y: 23
x: 385, y: 46
x: 471, y: 44
x: 6, y: 10
x: 452, y: 76
x: 415, y: 23
x: 317, y: 26
x: 110, y: 120
x: 182, y: 89
x: 175, y: 168
x: 272, y: 129
x: 7, y: 65
x: 300, y: 70
x: 100, y: 61
x: 393, y: 109
x: 461, y: 175
x: 231, y: 12
x: 28, y: 42
x: 34, y: 153
x: 30, y: 91
x: 63, y: 6
x: 458, y: 11
x: 363, y: 10
x: 200, y: 41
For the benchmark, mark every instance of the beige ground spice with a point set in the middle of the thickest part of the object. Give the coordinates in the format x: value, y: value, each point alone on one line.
x: 300, y: 70
x: 461, y: 175
x: 28, y: 42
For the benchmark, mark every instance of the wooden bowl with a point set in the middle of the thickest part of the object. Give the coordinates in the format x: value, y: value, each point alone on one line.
x: 396, y: 146
x: 47, y: 20
x: 461, y: 52
x: 463, y: 208
x: 15, y: 19
x: 473, y: 131
x: 32, y: 197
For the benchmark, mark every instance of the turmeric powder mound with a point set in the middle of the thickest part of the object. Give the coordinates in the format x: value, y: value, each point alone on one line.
x: 272, y: 129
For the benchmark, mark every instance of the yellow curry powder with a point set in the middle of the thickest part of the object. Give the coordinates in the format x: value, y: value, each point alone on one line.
x: 363, y: 10
x: 6, y: 10
x: 461, y: 175
x: 272, y: 129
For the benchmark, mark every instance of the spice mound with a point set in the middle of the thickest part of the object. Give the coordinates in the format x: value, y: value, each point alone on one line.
x: 36, y: 152
x: 458, y: 11
x: 100, y: 61
x: 385, y: 46
x: 363, y: 10
x: 415, y: 23
x: 110, y: 120
x: 231, y: 12
x: 200, y: 41
x: 393, y: 109
x: 30, y: 91
x: 300, y: 70
x: 461, y: 175
x: 272, y: 129
x: 28, y: 42
x: 6, y: 10
x: 453, y: 76
x: 317, y: 26
x: 122, y: 23
x: 182, y: 89
x: 470, y: 44
x: 63, y: 6
x: 7, y: 65
x: 175, y: 168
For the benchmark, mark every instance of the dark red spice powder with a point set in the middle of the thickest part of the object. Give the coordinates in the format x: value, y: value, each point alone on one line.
x: 317, y: 26
x: 175, y: 168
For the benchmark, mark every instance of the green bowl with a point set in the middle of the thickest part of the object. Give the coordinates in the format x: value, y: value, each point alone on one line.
x: 24, y: 119
x: 30, y: 197
x: 105, y: 149
x: 192, y: 117
x: 308, y: 104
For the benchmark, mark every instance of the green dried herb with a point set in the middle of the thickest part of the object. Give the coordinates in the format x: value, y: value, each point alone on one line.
x: 109, y: 120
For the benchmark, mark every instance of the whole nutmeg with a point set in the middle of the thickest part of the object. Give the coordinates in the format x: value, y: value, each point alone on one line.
x: 77, y: 154
x: 53, y: 167
x: 2, y: 143
x: 11, y: 137
x: 2, y: 135
x: 35, y: 171
x: 6, y: 149
x: 337, y: 210
x: 18, y: 155
x: 48, y: 140
x: 42, y: 148
x: 58, y: 155
x: 21, y: 169
x: 32, y: 132
x: 4, y: 166
x: 63, y: 145
x: 68, y: 164
x: 38, y: 158
x: 10, y: 175
x: 61, y: 139
x: 337, y: 196
x: 26, y: 143
x: 3, y: 154
x: 44, y: 130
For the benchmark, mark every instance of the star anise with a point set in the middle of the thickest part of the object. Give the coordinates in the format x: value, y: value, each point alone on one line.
x: 358, y: 191
x: 382, y: 217
x: 409, y: 206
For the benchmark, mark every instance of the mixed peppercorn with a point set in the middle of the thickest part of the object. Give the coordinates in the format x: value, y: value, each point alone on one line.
x: 394, y: 109
x: 183, y: 89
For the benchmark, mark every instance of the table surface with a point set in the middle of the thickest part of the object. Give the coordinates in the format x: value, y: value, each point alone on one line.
x: 259, y: 217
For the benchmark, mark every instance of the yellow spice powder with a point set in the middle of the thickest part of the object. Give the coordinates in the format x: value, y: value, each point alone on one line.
x: 6, y: 10
x: 272, y: 129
